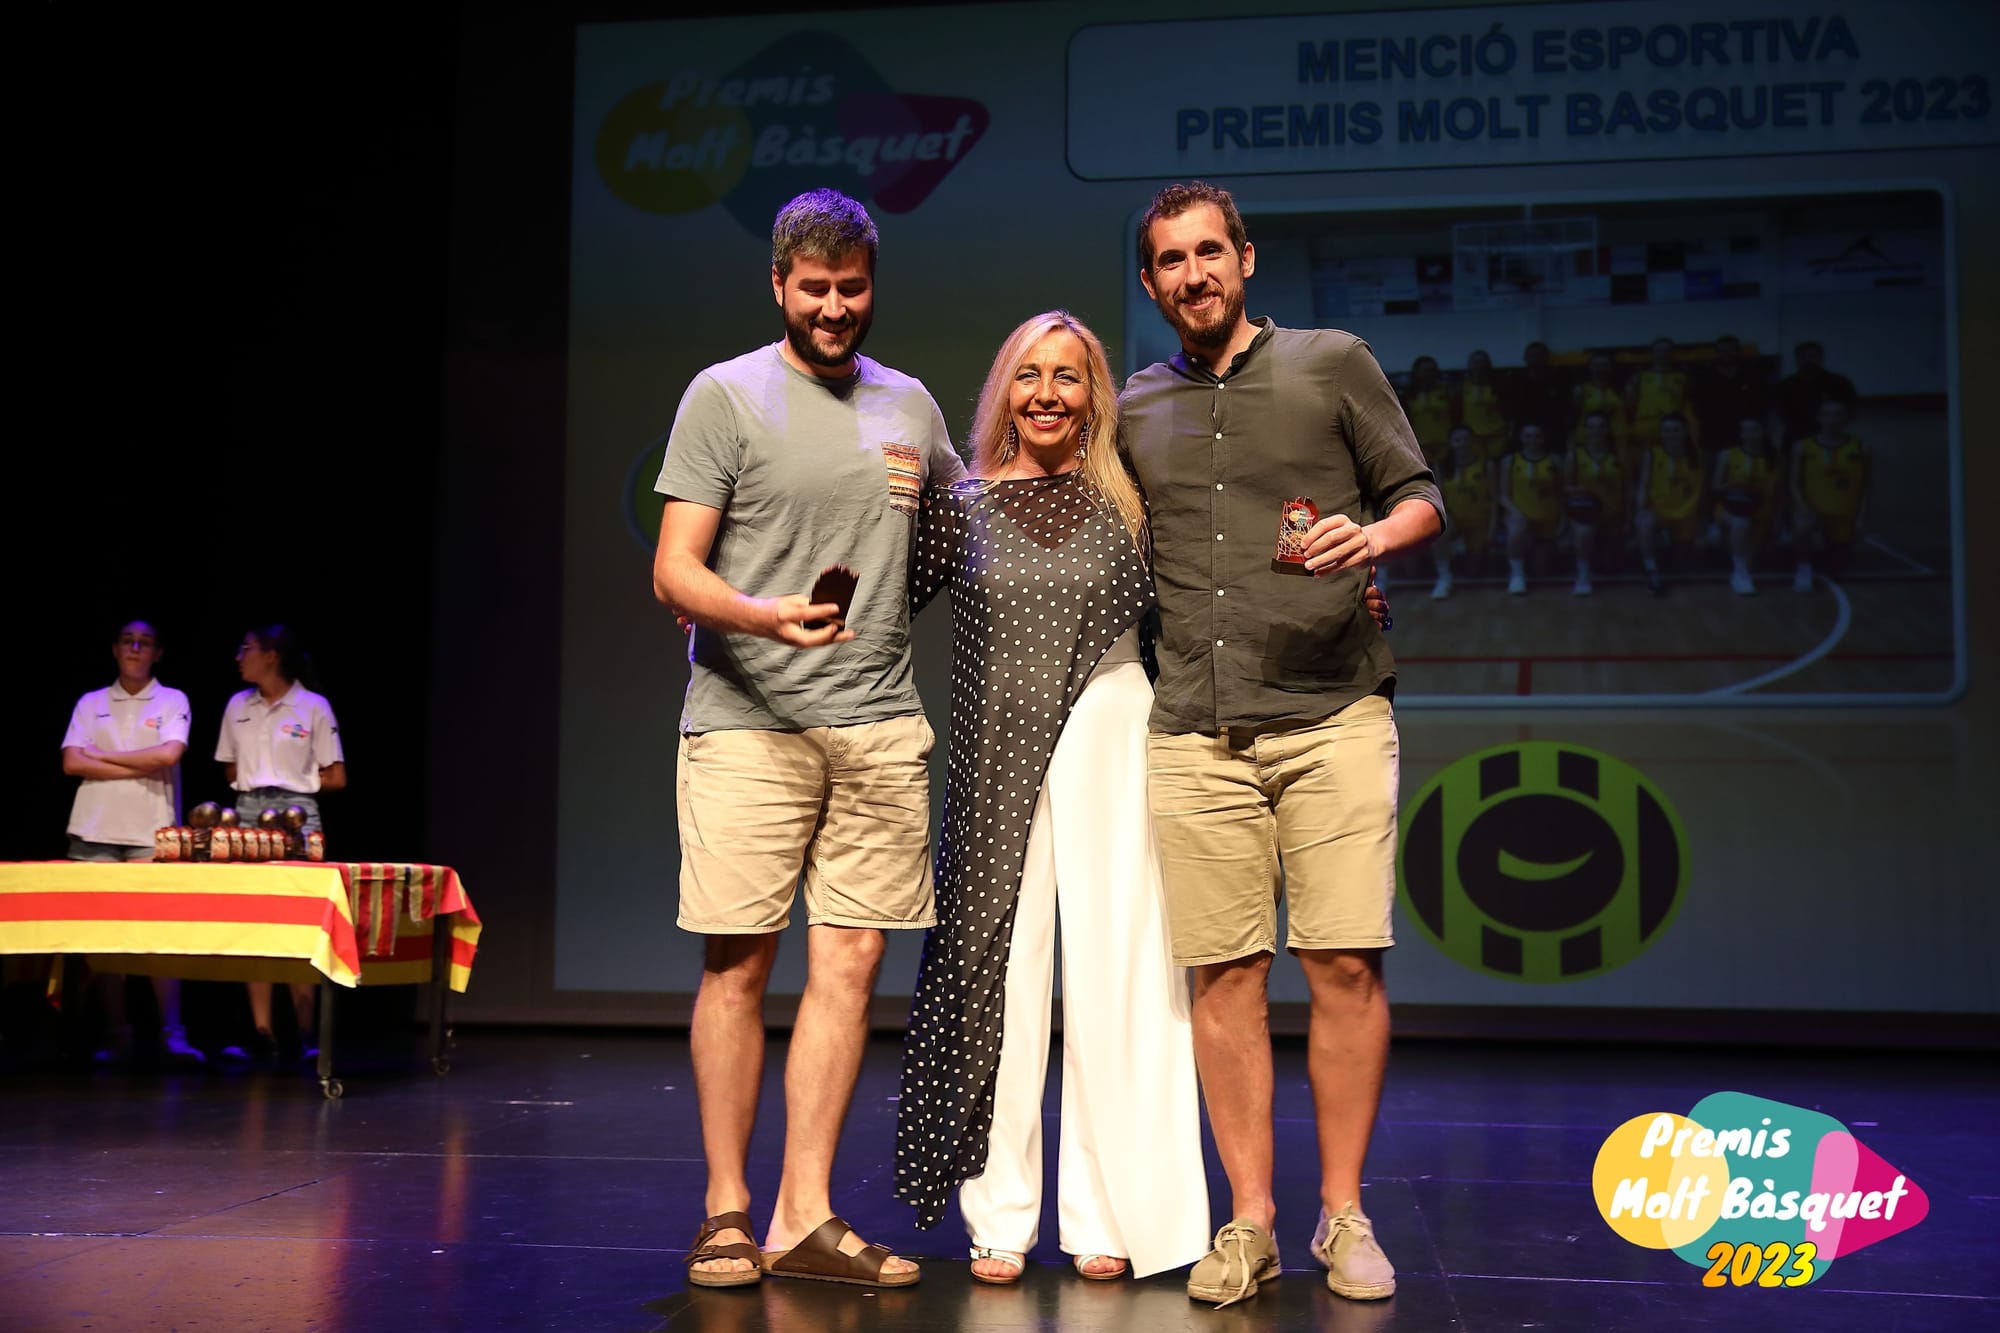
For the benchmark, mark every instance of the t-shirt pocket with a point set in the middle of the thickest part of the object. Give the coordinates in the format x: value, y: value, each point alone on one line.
x: 906, y: 476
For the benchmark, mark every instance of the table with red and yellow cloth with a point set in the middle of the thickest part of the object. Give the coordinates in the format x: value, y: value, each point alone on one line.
x: 350, y: 923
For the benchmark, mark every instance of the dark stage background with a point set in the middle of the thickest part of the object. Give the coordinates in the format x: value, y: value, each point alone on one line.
x: 300, y: 347
x: 234, y: 277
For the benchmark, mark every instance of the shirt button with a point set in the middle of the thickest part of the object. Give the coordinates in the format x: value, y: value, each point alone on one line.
x: 1220, y: 591
x: 1218, y: 435
x: 1218, y: 536
x: 1218, y: 643
x: 1218, y: 485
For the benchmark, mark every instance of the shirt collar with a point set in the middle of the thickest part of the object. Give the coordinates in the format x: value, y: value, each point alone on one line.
x: 118, y: 690
x: 1194, y: 370
x: 289, y: 696
x: 839, y: 388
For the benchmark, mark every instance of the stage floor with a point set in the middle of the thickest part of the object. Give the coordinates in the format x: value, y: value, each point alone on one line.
x: 553, y: 1180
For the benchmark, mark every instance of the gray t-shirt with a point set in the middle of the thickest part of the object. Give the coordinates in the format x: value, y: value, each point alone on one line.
x: 807, y: 473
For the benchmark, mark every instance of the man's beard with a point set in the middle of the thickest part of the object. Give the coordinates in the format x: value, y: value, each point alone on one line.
x: 799, y: 333
x: 1212, y: 335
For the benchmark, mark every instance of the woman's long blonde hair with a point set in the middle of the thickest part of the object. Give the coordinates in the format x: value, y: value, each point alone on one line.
x: 1101, y: 465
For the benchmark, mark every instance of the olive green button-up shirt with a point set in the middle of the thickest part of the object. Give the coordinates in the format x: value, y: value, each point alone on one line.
x: 1301, y: 412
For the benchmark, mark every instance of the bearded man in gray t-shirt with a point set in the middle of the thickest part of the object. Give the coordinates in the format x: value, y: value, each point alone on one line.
x: 803, y: 744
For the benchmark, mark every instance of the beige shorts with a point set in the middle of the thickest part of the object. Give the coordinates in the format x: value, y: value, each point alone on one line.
x: 1318, y: 801
x: 851, y: 806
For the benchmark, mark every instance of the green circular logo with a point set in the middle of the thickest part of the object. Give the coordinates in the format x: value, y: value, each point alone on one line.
x: 644, y: 505
x: 1541, y: 861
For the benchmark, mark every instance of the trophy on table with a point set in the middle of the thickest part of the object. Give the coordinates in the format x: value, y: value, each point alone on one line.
x: 218, y: 833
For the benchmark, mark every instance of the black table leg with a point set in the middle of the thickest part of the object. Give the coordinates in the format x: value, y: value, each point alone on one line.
x: 440, y: 987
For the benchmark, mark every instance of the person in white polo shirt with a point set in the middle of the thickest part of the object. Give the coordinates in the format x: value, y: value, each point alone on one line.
x: 126, y: 742
x: 279, y: 746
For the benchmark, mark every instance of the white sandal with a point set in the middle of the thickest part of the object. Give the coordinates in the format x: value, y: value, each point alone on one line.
x: 1082, y: 1272
x: 1018, y: 1261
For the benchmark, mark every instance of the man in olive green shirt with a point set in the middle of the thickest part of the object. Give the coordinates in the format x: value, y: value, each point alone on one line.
x: 1273, y: 741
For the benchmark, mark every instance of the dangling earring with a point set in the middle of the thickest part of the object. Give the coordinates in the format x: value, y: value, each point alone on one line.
x: 1083, y: 441
x: 1013, y: 443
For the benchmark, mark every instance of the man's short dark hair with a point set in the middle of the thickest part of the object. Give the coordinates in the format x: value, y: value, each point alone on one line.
x: 1178, y: 199
x: 823, y: 225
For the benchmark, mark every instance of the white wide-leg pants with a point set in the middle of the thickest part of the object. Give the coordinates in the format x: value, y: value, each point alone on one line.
x: 1129, y: 1181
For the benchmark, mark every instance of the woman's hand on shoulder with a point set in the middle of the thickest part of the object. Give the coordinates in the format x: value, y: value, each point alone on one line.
x: 1377, y: 603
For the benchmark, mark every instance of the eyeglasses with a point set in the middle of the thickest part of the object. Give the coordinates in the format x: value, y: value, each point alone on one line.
x: 136, y: 641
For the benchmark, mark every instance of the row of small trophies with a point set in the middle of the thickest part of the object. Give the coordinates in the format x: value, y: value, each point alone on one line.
x: 216, y: 833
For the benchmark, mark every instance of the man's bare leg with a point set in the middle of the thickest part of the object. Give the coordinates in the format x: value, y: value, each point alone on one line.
x: 1347, y: 1049
x: 825, y: 1060
x: 726, y: 1042
x: 1232, y: 1052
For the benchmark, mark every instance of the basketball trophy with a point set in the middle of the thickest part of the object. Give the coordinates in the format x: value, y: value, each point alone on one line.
x: 1295, y: 519
x: 294, y: 821
x: 202, y: 820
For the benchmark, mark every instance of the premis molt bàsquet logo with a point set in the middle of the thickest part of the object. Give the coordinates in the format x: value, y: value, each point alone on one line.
x: 805, y: 112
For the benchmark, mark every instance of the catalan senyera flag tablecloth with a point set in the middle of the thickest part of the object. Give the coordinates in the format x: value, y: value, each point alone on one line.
x: 356, y: 923
x: 396, y: 906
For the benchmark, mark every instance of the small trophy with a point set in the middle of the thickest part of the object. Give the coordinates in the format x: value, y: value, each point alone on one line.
x: 836, y: 583
x: 1295, y: 519
x: 294, y: 821
x: 203, y: 820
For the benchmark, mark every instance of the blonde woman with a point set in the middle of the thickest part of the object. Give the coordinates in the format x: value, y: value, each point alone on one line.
x: 1044, y: 554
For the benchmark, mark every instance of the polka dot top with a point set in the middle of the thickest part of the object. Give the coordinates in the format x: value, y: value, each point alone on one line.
x: 1043, y: 578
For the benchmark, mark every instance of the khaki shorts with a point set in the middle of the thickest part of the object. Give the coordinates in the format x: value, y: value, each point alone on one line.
x: 1318, y: 800
x: 848, y: 805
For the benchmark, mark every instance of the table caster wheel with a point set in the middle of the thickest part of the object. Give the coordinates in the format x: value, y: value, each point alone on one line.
x: 331, y: 1089
x: 441, y: 1064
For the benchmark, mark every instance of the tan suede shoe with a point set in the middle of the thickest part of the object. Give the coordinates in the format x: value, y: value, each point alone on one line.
x: 1355, y: 1265
x: 1245, y: 1256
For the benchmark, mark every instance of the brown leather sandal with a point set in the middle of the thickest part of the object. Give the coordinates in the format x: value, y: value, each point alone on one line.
x: 705, y: 1249
x: 819, y: 1258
